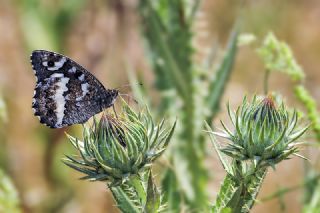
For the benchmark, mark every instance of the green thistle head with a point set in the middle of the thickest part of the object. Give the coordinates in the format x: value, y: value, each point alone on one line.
x: 115, y: 148
x: 263, y: 132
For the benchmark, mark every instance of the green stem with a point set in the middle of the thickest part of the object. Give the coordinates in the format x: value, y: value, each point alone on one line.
x: 124, y: 203
x: 136, y: 183
x: 238, y: 193
x: 130, y: 196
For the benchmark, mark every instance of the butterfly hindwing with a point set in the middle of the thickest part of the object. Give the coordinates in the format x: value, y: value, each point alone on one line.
x: 65, y: 92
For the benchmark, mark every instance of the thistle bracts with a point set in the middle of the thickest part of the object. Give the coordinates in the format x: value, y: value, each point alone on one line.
x: 115, y: 148
x: 263, y: 135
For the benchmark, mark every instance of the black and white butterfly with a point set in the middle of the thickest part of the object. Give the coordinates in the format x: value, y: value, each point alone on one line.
x: 65, y: 92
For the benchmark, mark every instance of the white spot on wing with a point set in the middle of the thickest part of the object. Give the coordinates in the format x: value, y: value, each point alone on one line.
x: 59, y: 98
x: 67, y: 97
x: 72, y: 70
x: 57, y: 64
x: 57, y: 75
x: 34, y: 71
x: 38, y: 85
x: 84, y: 88
x: 81, y: 77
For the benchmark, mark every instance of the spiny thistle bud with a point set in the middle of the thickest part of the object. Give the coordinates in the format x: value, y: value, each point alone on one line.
x: 263, y: 132
x: 115, y: 148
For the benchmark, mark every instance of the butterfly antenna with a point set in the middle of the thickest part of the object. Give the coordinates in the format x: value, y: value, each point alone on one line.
x: 127, y: 85
x: 129, y: 97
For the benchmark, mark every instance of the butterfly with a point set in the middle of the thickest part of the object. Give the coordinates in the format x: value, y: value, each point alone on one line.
x: 65, y: 92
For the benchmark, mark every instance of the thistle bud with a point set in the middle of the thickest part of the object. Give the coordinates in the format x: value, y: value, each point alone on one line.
x: 263, y: 132
x: 114, y: 148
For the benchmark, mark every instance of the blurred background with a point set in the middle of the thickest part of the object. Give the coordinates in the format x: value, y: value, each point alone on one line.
x: 105, y: 37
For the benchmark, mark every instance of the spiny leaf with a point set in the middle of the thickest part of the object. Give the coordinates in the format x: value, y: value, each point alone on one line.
x: 80, y: 169
x: 172, y: 197
x: 298, y: 134
x: 227, y: 189
x: 217, y: 149
x: 153, y: 196
x: 9, y: 199
x: 222, y: 75
x: 124, y: 203
x: 169, y: 136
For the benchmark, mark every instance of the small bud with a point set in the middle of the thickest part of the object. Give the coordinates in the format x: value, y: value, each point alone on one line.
x: 115, y: 148
x: 263, y: 132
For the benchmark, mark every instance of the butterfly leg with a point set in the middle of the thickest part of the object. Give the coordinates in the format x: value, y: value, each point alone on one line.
x: 115, y: 112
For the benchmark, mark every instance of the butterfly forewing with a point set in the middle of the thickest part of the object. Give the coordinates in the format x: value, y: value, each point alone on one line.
x: 65, y: 92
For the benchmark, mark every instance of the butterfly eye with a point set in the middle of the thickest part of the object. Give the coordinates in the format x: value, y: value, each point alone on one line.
x: 50, y: 63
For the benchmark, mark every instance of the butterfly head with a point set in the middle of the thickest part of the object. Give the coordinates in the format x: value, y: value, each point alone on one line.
x: 112, y: 96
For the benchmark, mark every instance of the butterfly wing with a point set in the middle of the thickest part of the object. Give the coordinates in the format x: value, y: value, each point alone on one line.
x: 65, y: 92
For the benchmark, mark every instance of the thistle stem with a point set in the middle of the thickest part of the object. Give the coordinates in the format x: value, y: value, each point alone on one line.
x: 136, y: 183
x: 239, y: 193
x: 124, y: 203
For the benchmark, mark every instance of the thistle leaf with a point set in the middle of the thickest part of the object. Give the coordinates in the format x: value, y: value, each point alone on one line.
x: 225, y: 164
x: 298, y: 134
x: 153, y: 196
x: 124, y: 202
x: 80, y: 169
x: 225, y: 194
x: 9, y: 198
x: 223, y: 73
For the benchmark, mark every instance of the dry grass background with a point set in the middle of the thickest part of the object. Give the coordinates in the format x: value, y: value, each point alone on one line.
x: 105, y: 38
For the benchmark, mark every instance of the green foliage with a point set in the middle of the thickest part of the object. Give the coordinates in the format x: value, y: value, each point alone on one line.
x: 3, y: 130
x: 277, y: 56
x: 171, y: 52
x: 172, y: 195
x: 263, y: 136
x: 312, y: 202
x: 246, y: 39
x: 153, y: 197
x: 167, y: 28
x: 44, y: 25
x: 124, y: 202
x: 3, y: 111
x: 227, y: 189
x: 138, y: 194
x: 9, y: 200
x: 310, y: 105
x: 222, y: 75
x: 314, y: 205
x: 240, y: 188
